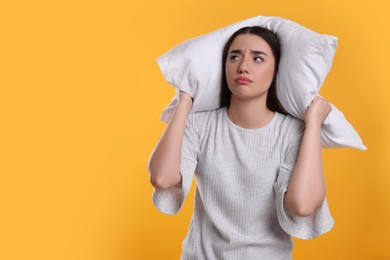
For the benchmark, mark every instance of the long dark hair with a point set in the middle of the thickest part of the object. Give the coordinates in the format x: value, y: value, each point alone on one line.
x: 273, y: 102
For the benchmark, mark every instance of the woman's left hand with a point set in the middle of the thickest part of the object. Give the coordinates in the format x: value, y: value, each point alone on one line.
x: 317, y: 111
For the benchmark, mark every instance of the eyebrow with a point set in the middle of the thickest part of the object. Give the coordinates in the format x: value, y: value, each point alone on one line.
x: 252, y: 51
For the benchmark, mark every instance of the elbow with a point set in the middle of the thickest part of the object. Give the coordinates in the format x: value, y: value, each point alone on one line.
x: 156, y: 178
x: 163, y: 176
x: 304, y: 209
x: 159, y: 181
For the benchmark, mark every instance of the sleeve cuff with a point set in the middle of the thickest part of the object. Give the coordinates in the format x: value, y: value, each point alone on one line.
x: 301, y: 227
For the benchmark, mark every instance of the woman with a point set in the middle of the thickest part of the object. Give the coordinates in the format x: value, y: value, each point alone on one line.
x: 258, y: 170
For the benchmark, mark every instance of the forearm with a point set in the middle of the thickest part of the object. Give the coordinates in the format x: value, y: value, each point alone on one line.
x: 306, y: 189
x: 164, y: 163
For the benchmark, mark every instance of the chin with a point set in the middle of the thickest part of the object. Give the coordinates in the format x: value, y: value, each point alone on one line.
x: 241, y: 90
x: 248, y: 95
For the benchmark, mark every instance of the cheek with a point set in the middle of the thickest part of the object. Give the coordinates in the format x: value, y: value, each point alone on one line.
x: 268, y: 73
x: 229, y: 71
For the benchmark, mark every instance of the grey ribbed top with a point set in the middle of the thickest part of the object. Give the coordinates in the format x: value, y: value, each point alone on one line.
x: 241, y: 177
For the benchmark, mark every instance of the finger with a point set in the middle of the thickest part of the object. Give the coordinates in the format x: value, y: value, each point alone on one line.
x: 310, y: 103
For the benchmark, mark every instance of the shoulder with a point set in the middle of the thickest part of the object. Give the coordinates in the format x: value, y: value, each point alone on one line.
x: 200, y: 123
x: 201, y: 119
x: 289, y: 121
x: 291, y: 127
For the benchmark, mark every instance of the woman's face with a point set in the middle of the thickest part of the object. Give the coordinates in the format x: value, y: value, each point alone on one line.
x: 249, y: 67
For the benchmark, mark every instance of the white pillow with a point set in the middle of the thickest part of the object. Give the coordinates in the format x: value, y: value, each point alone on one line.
x: 195, y: 67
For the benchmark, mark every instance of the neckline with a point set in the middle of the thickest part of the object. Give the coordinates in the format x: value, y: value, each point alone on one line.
x: 263, y: 128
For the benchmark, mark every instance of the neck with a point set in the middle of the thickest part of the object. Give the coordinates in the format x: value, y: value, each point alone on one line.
x: 249, y: 114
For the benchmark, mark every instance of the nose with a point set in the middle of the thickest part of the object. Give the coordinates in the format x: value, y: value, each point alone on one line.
x: 243, y: 67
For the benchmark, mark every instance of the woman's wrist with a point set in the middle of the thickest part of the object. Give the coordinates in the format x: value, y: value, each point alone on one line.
x: 185, y: 101
x: 313, y: 125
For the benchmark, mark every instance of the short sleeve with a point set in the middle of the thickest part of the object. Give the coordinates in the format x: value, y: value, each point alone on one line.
x: 321, y: 221
x: 170, y: 201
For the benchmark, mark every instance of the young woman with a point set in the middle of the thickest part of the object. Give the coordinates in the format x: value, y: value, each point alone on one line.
x: 258, y: 170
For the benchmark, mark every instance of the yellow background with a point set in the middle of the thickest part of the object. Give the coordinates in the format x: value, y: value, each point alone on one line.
x: 81, y: 95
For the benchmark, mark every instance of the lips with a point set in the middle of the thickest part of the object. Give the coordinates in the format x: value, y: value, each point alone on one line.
x: 243, y: 80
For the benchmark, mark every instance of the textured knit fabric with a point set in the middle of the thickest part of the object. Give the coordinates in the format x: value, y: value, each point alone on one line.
x: 241, y: 177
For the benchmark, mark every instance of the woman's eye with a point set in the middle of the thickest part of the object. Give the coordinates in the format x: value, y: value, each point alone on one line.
x: 258, y: 59
x: 234, y: 57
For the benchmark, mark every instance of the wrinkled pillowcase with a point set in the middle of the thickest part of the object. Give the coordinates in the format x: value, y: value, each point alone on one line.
x: 195, y: 67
